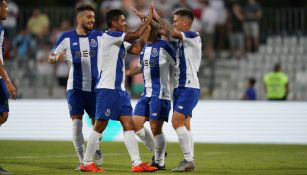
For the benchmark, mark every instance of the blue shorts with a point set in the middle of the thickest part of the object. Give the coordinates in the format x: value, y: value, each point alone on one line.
x: 4, y: 97
x: 112, y: 103
x: 185, y: 100
x: 153, y: 107
x: 79, y: 100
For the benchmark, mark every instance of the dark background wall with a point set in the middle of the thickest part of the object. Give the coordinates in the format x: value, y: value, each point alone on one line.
x: 264, y: 3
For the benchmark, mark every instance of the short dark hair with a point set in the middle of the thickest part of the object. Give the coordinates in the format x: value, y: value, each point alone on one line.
x: 252, y: 81
x: 186, y: 13
x: 113, y: 15
x: 84, y: 7
x: 277, y: 67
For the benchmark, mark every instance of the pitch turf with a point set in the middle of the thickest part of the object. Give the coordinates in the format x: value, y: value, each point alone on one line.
x: 58, y: 158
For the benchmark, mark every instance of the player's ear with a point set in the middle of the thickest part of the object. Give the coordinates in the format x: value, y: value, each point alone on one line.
x: 114, y: 23
x: 78, y: 18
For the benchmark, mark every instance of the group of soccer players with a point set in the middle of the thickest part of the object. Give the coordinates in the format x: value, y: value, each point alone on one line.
x: 96, y: 83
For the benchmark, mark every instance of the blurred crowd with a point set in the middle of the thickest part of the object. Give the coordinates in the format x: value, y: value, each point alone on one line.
x: 231, y: 25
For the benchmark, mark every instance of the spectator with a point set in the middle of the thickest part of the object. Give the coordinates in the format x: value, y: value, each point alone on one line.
x: 252, y: 13
x: 10, y: 24
x: 44, y: 69
x: 220, y: 27
x: 89, y: 2
x: 276, y: 84
x: 164, y: 6
x: 38, y: 23
x: 208, y: 21
x: 105, y: 7
x: 133, y: 20
x: 23, y: 44
x: 235, y: 30
x: 62, y: 74
x: 182, y: 4
x: 250, y: 92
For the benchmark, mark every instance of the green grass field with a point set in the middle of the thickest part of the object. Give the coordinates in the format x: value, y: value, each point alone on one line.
x: 58, y: 158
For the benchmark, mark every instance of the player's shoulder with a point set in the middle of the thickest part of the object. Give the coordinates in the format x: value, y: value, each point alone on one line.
x: 114, y: 33
x: 162, y: 43
x: 191, y: 34
x: 97, y: 32
x: 66, y: 34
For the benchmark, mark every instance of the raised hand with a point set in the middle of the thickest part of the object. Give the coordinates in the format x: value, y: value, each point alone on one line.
x: 139, y: 14
x: 154, y: 12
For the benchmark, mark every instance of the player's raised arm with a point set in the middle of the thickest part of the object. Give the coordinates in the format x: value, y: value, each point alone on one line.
x: 168, y: 29
x: 137, y: 34
x: 137, y: 47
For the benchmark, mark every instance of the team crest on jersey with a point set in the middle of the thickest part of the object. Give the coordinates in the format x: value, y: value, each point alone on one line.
x: 108, y: 112
x: 93, y: 43
x: 154, y: 52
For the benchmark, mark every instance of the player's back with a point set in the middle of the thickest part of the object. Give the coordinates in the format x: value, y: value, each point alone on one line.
x: 155, y: 61
x: 189, y: 55
x: 111, y: 66
x: 81, y: 53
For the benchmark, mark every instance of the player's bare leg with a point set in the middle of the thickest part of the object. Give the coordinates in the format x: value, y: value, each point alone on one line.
x: 3, y: 117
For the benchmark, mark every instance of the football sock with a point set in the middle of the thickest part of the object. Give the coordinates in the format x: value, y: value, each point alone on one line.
x: 192, y: 143
x: 160, y: 147
x: 77, y: 138
x: 145, y: 135
x: 184, y: 141
x: 132, y: 147
x: 91, y: 148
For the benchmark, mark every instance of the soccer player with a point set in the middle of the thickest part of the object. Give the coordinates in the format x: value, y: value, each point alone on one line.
x: 113, y: 102
x: 79, y: 48
x: 155, y: 103
x: 6, y: 86
x: 187, y: 89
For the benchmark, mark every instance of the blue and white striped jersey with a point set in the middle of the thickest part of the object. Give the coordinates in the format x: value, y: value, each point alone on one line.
x: 1, y: 45
x: 155, y: 61
x: 81, y: 52
x: 111, y: 65
x: 189, y: 57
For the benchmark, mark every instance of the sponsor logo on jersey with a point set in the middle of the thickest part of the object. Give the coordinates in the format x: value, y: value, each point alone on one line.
x: 154, y: 114
x: 180, y: 107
